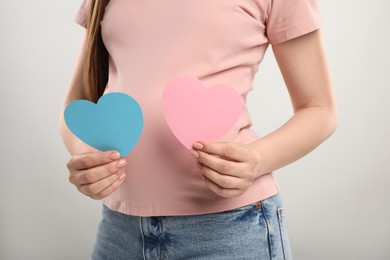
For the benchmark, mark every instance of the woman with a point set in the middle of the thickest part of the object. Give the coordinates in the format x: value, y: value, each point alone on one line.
x: 219, y: 200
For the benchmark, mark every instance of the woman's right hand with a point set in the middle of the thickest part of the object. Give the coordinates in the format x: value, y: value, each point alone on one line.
x: 97, y: 174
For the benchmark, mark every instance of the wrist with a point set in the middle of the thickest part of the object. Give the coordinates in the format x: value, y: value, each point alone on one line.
x: 260, y: 166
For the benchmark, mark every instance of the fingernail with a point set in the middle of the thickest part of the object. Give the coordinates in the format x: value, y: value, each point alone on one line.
x: 195, y: 154
x: 115, y: 155
x: 122, y: 177
x: 120, y: 171
x: 197, y: 145
x: 121, y: 163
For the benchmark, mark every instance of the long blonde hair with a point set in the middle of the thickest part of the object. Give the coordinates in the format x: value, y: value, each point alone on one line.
x: 96, y: 63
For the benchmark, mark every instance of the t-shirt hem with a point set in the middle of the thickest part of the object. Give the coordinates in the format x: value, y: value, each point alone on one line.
x: 292, y: 33
x: 81, y: 17
x: 182, y: 209
x: 80, y: 20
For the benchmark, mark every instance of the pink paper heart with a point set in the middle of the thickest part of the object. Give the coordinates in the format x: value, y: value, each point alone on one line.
x: 194, y: 112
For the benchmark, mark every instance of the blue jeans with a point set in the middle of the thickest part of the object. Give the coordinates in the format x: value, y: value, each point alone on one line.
x: 255, y: 231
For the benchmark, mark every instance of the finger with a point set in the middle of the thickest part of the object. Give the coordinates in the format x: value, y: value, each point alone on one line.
x: 96, y: 188
x: 90, y: 160
x: 227, y: 193
x: 113, y: 187
x: 98, y: 173
x: 223, y: 181
x: 219, y: 164
x: 237, y: 152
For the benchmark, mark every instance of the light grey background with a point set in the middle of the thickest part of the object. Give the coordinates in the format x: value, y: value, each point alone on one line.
x: 337, y: 198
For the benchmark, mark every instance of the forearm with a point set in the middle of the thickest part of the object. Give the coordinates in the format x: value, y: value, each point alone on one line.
x: 72, y: 143
x: 305, y: 130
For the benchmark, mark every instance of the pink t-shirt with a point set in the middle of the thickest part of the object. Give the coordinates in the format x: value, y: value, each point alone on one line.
x: 217, y: 41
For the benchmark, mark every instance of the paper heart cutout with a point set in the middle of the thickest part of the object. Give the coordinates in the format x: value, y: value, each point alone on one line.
x: 194, y: 112
x: 114, y: 123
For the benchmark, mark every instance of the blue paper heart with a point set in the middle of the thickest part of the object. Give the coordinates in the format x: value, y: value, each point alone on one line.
x: 114, y: 123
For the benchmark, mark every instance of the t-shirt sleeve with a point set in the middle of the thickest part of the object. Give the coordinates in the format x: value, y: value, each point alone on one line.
x: 288, y: 19
x: 82, y: 14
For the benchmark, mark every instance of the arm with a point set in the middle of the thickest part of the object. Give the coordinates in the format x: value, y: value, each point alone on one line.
x: 94, y: 173
x: 230, y: 168
x: 75, y: 91
x: 305, y: 72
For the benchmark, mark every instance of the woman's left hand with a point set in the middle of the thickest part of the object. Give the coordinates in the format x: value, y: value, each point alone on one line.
x: 228, y: 168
